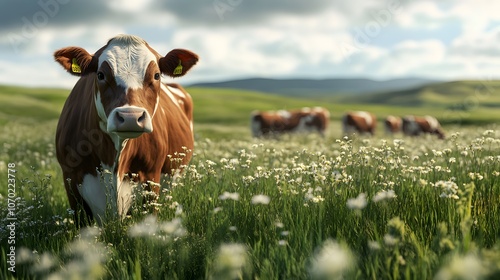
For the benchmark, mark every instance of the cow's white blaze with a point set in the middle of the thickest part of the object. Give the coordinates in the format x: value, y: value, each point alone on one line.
x: 129, y: 57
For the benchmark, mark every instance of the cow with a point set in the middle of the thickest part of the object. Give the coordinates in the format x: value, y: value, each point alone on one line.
x: 359, y: 122
x: 414, y: 126
x: 392, y: 124
x: 121, y: 127
x: 272, y: 123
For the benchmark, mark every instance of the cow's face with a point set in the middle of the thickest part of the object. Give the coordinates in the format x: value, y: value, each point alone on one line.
x: 128, y: 81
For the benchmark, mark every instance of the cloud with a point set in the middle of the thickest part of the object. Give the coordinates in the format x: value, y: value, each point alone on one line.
x: 279, y: 38
x: 221, y: 12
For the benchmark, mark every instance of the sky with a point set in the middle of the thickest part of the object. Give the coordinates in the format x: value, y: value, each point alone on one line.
x: 377, y: 39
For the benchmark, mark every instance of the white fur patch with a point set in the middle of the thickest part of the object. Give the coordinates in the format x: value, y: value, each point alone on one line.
x: 170, y: 95
x: 322, y: 110
x: 177, y: 91
x: 302, y: 125
x: 366, y: 116
x: 94, y: 194
x: 128, y: 57
x: 98, y: 192
x: 433, y: 123
x: 100, y: 108
x: 125, y: 191
x: 284, y: 114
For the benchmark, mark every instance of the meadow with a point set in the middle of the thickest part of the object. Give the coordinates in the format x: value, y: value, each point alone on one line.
x: 293, y: 207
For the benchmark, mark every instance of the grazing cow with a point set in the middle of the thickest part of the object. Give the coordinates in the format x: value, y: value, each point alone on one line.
x: 121, y: 126
x: 392, y: 124
x: 360, y: 122
x: 414, y: 126
x: 283, y: 121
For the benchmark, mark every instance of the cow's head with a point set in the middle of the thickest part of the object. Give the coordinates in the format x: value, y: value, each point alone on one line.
x: 127, y: 73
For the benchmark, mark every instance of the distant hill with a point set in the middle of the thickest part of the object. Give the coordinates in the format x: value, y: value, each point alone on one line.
x: 460, y: 95
x: 318, y: 87
x: 463, y: 102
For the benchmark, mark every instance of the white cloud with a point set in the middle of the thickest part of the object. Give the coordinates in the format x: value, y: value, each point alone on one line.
x: 129, y: 5
x: 346, y: 38
x: 421, y: 14
x: 411, y: 58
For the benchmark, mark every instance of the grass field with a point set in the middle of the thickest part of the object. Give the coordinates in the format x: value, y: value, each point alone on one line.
x: 298, y: 207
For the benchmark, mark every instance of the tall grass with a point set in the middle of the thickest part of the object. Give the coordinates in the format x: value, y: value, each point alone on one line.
x: 297, y: 207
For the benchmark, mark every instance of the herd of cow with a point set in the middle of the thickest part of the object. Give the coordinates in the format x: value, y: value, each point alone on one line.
x: 122, y: 127
x: 317, y: 119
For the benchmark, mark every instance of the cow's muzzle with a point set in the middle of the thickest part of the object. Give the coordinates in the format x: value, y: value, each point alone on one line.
x: 129, y: 122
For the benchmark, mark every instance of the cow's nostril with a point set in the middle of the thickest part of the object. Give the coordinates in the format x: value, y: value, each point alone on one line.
x: 120, y: 118
x: 142, y: 117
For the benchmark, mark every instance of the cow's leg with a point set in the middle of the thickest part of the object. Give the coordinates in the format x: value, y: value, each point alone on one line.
x: 82, y: 212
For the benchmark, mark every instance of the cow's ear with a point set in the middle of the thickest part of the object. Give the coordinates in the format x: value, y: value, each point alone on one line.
x: 177, y: 62
x: 75, y: 60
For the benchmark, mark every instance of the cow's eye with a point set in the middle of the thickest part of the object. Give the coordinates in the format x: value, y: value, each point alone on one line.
x: 157, y: 76
x: 100, y: 76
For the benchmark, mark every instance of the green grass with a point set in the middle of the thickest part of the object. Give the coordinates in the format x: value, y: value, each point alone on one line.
x: 444, y: 215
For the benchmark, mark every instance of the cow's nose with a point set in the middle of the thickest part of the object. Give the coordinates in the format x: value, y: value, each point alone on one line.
x: 130, y: 120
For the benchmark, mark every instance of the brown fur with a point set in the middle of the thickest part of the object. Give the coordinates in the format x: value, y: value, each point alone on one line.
x: 360, y: 124
x: 393, y: 124
x: 82, y: 146
x: 272, y: 122
x: 415, y: 125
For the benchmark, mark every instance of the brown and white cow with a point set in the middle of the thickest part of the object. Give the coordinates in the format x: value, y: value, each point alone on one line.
x: 359, y: 122
x: 121, y: 126
x: 414, y: 126
x: 392, y: 124
x: 285, y: 121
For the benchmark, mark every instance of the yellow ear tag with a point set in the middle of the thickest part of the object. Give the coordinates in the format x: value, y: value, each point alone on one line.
x: 75, y: 67
x: 178, y: 69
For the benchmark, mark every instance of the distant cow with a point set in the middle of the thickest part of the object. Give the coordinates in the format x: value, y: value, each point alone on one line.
x: 392, y: 124
x: 121, y: 126
x: 415, y: 126
x: 359, y: 122
x: 283, y: 121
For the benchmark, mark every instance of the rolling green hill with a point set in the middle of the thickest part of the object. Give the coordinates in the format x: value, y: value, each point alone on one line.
x: 28, y: 104
x: 457, y: 94
x: 462, y: 102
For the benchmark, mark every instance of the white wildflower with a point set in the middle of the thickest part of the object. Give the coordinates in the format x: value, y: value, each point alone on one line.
x: 147, y: 227
x: 390, y: 240
x: 462, y: 267
x: 228, y: 195
x: 357, y: 203
x: 231, y: 262
x: 384, y: 195
x: 332, y: 261
x: 261, y: 199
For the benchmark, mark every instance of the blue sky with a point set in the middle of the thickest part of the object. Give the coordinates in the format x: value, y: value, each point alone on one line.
x: 446, y: 40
